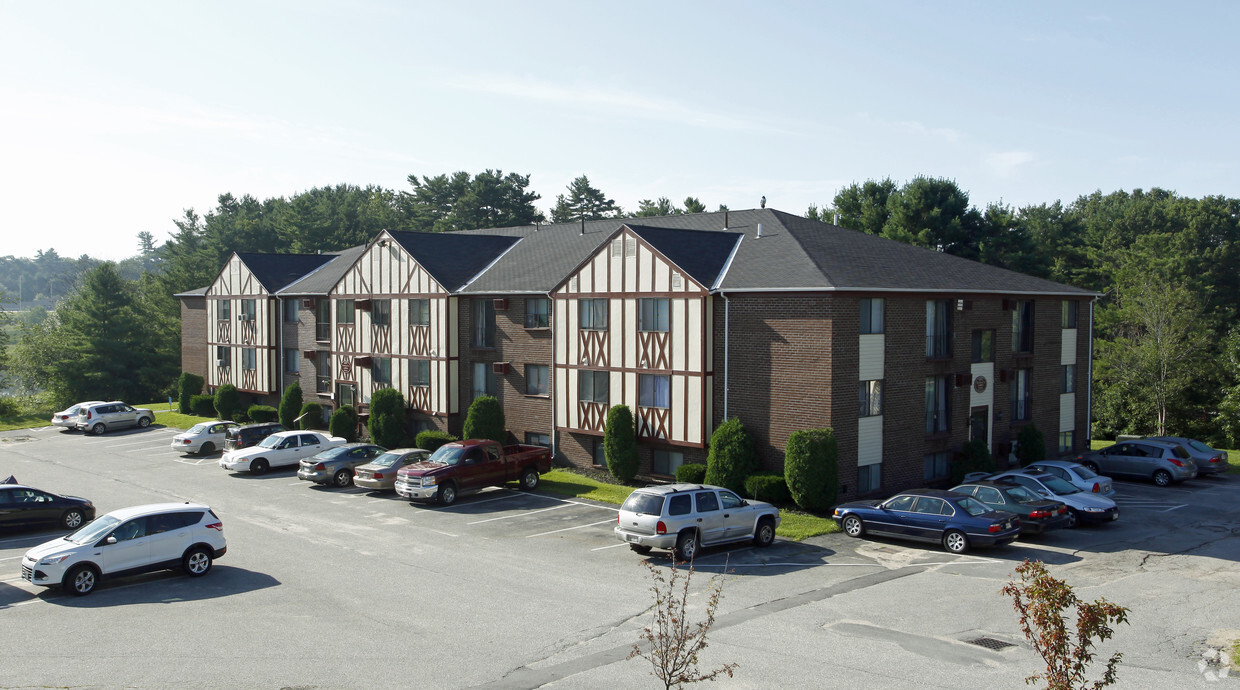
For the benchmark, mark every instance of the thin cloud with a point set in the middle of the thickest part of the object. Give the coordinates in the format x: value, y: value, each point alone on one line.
x: 1005, y: 163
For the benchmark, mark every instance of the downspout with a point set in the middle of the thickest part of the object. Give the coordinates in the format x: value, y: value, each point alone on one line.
x: 279, y: 345
x: 1089, y: 388
x: 551, y: 373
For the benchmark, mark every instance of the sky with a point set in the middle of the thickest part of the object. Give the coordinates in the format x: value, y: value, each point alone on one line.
x: 119, y: 116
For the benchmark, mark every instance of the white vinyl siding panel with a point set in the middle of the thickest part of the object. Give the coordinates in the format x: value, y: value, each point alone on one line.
x: 1067, y: 353
x: 986, y: 397
x: 869, y: 441
x: 870, y: 356
x: 1067, y: 411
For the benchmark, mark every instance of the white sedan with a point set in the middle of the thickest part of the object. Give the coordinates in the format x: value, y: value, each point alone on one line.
x: 206, y: 437
x: 279, y: 450
x: 68, y: 417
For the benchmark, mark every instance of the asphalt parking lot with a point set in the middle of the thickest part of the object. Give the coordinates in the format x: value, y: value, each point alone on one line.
x: 347, y: 588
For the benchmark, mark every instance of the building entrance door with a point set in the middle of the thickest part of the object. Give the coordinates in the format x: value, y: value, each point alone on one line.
x: 979, y: 424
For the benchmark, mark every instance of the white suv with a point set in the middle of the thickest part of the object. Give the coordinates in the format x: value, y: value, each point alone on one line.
x: 126, y: 542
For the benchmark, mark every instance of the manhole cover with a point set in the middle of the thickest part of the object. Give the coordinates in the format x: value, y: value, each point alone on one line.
x: 990, y: 643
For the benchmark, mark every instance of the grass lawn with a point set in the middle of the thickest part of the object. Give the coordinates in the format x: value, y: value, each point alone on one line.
x: 794, y: 525
x: 25, y: 421
x: 167, y: 415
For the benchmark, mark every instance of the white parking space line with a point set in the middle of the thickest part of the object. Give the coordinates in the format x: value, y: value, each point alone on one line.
x: 10, y: 558
x: 522, y: 514
x: 153, y: 443
x: 600, y: 548
x: 567, y: 529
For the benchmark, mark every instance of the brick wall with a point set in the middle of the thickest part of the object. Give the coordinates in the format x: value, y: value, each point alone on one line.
x: 194, y: 335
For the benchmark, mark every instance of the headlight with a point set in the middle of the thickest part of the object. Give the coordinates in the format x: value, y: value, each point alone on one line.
x: 429, y: 481
x: 53, y: 560
x: 1092, y: 509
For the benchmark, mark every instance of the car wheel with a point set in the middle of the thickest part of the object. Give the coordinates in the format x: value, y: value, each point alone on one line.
x: 853, y: 526
x: 98, y: 429
x: 197, y: 561
x: 955, y: 541
x: 765, y: 535
x: 1093, y: 466
x: 687, y: 545
x: 144, y: 422
x: 72, y: 519
x: 529, y: 479
x: 206, y: 448
x: 81, y: 580
x: 258, y: 466
x: 1074, y: 520
x: 1162, y: 478
x: 447, y: 495
x: 343, y: 478
x: 643, y: 550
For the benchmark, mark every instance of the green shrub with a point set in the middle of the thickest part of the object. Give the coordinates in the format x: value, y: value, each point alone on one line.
x: 620, y: 443
x: 8, y: 406
x: 486, y: 420
x: 811, y: 469
x: 973, y: 457
x: 1030, y: 446
x: 227, y: 401
x: 344, y: 423
x: 188, y: 385
x: 769, y: 487
x: 290, y: 405
x: 691, y: 473
x: 262, y: 413
x: 387, y: 418
x: 311, y: 416
x: 202, y: 405
x: 732, y: 458
x: 432, y: 440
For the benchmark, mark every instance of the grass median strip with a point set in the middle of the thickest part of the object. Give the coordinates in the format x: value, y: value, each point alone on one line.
x: 794, y: 525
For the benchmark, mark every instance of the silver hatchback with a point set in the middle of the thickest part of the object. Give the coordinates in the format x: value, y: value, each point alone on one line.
x: 1164, y: 463
x: 685, y: 517
x: 102, y: 417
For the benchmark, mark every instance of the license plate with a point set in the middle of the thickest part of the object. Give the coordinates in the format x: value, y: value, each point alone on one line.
x: 1115, y: 515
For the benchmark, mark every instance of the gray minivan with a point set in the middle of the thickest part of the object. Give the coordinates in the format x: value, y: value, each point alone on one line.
x: 1162, y: 462
x: 98, y: 418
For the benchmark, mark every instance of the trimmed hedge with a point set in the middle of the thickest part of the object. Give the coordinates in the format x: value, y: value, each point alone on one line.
x: 974, y: 457
x: 1030, y: 445
x: 769, y: 487
x: 311, y: 416
x: 344, y: 423
x: 227, y: 401
x: 811, y: 469
x: 486, y: 420
x: 732, y: 458
x: 188, y: 385
x: 290, y: 405
x: 202, y: 405
x: 432, y: 440
x: 387, y: 418
x: 262, y: 413
x: 620, y: 443
x: 691, y: 473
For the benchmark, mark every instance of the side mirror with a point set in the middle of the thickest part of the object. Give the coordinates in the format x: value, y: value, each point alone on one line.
x: 110, y: 540
x: 1044, y: 492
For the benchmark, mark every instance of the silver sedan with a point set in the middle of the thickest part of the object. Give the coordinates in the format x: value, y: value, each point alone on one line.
x: 380, y: 474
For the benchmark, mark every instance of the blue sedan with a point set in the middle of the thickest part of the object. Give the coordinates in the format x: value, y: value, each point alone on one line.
x: 954, y: 520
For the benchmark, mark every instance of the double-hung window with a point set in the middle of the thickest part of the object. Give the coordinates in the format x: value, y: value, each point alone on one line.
x: 593, y: 314
x: 1070, y: 308
x: 419, y: 372
x: 592, y: 386
x: 381, y: 312
x: 665, y: 462
x: 654, y: 314
x: 344, y: 311
x: 249, y: 358
x: 323, y: 320
x: 537, y: 312
x: 225, y: 309
x: 484, y: 379
x: 381, y: 371
x: 290, y: 310
x: 536, y: 379
x: 322, y: 371
x: 938, y: 328
x: 248, y: 309
x: 419, y: 312
x: 484, y: 322
x: 871, y: 398
x: 1022, y: 327
x: 292, y: 360
x: 983, y: 346
x: 1067, y: 381
x: 938, y: 406
x: 654, y: 390
x: 1022, y: 396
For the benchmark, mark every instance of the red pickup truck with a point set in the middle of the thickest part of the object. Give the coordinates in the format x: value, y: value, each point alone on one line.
x: 463, y: 467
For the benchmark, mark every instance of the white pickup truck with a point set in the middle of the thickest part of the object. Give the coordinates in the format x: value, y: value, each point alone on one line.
x: 278, y: 450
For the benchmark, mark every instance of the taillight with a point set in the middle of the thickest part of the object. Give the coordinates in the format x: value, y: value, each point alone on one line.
x: 660, y: 528
x: 216, y: 526
x: 186, y: 441
x: 1175, y: 462
x: 320, y: 467
x: 1097, y: 488
x: 1062, y: 510
x: 617, y: 518
x: 995, y: 528
x: 377, y: 475
x: 88, y: 414
x: 1040, y: 514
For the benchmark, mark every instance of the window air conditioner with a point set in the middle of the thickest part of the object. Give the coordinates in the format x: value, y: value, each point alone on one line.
x: 221, y: 362
x: 500, y: 304
x: 499, y: 367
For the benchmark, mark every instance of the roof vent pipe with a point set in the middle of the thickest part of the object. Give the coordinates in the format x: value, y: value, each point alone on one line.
x: 759, y: 230
x: 583, y: 226
x: 725, y: 220
x: 836, y: 220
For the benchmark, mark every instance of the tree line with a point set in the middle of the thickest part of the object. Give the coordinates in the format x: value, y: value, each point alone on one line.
x: 1167, y: 352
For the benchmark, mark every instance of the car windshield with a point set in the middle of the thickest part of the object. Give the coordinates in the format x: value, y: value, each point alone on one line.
x: 387, y: 459
x: 92, y: 531
x: 1022, y: 495
x: 643, y: 504
x: 1084, y: 472
x: 270, y: 442
x: 972, y: 506
x: 1058, y: 485
x: 199, y: 428
x: 333, y: 453
x: 447, y: 455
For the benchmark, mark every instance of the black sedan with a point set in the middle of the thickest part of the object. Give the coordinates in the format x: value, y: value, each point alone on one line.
x: 23, y: 506
x: 954, y: 520
x: 1037, y: 514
